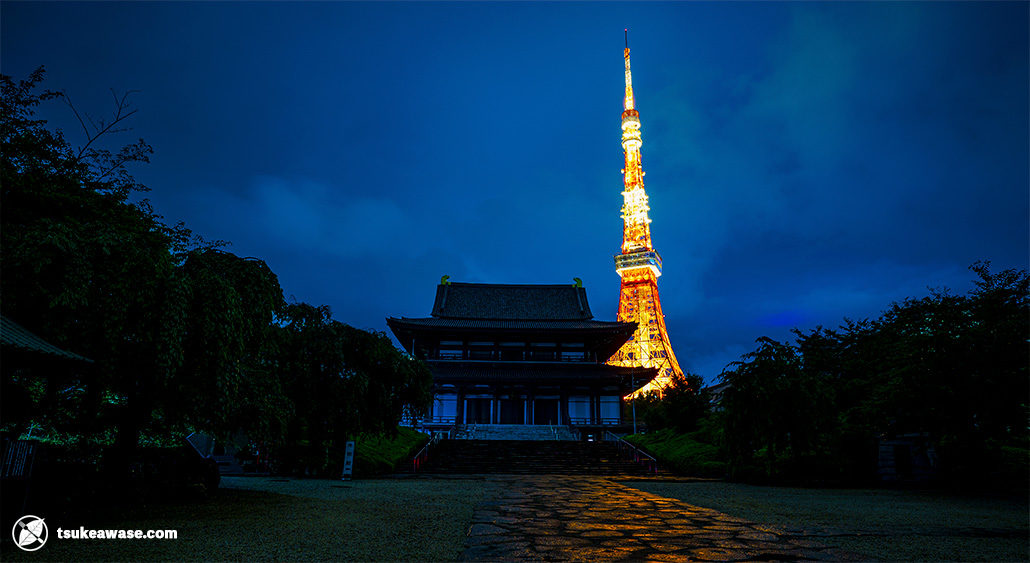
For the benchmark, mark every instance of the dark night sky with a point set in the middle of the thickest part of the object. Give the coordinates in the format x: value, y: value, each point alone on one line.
x: 805, y: 162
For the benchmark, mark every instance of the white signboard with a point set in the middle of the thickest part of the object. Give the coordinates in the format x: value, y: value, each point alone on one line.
x: 348, y: 462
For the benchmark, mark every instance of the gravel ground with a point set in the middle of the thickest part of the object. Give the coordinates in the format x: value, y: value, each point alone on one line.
x: 884, y: 524
x: 253, y: 518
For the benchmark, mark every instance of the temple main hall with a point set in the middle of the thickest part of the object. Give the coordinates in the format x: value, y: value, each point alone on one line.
x: 533, y: 354
x: 521, y: 355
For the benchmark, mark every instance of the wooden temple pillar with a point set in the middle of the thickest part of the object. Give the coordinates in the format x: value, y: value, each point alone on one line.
x: 563, y: 406
x: 495, y: 406
x: 595, y: 401
x: 531, y: 405
x: 459, y: 414
x: 593, y: 409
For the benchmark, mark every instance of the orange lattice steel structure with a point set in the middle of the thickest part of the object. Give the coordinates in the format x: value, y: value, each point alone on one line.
x: 639, y: 265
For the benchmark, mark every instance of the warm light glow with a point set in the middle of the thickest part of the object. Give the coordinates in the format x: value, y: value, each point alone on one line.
x: 639, y: 265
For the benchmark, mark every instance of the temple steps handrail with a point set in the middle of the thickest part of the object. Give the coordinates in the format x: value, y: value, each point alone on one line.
x: 423, y: 454
x: 638, y: 455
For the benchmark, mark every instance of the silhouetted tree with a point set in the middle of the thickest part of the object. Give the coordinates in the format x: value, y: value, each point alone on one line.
x: 759, y: 402
x: 681, y: 405
x: 184, y: 335
x: 228, y: 379
x: 342, y: 381
x: 950, y: 367
x: 83, y: 266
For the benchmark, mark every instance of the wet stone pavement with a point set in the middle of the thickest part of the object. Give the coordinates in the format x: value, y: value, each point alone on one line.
x: 580, y: 518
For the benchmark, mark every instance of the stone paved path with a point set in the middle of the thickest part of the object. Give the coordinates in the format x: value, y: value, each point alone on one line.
x: 566, y: 518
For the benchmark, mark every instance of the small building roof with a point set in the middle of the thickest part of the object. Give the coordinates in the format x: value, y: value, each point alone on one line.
x: 456, y: 300
x: 13, y: 335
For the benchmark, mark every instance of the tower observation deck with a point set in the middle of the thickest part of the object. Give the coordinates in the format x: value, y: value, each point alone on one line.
x: 639, y: 265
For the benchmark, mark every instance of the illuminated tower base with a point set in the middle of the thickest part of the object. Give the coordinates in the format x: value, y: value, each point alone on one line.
x: 649, y: 346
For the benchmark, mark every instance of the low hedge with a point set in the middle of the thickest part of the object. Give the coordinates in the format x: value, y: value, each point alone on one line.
x: 682, y: 452
x: 377, y: 455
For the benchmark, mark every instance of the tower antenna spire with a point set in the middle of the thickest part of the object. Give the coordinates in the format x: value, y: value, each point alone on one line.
x: 628, y: 102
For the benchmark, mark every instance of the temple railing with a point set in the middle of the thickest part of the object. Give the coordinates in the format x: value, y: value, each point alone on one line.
x: 440, y: 420
x: 428, y: 421
x: 629, y: 450
x: 521, y: 356
x: 587, y: 421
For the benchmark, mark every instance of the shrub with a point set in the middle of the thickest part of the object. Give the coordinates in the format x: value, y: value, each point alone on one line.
x: 377, y: 455
x: 682, y: 452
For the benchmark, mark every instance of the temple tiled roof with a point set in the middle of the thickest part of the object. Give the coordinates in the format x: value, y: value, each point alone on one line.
x: 511, y: 302
x: 15, y: 336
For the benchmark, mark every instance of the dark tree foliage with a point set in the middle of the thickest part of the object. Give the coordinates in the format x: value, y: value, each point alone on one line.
x: 229, y: 307
x: 953, y: 368
x: 184, y: 336
x: 773, y: 408
x: 681, y: 406
x: 82, y: 266
x: 327, y: 365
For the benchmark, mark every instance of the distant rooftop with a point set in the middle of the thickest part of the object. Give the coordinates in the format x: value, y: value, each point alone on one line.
x: 511, y: 302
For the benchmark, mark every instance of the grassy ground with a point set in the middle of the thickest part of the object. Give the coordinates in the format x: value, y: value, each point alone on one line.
x: 362, y: 520
x: 884, y: 524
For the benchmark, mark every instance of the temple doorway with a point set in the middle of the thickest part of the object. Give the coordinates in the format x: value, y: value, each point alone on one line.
x: 545, y: 411
x: 478, y: 411
x: 513, y: 411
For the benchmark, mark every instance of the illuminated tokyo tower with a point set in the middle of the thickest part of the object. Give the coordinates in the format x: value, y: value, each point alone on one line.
x: 639, y: 265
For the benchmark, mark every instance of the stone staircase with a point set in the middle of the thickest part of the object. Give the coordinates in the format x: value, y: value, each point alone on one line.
x: 520, y: 432
x: 528, y: 457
